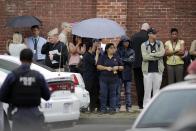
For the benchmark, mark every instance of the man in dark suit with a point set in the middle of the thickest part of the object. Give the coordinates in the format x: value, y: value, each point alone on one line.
x: 137, y: 40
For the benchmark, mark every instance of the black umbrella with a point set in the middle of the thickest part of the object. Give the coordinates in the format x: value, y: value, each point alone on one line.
x: 23, y: 21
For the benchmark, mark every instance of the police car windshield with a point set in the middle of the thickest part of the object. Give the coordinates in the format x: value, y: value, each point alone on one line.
x: 168, y: 107
x: 7, y: 65
x: 45, y: 67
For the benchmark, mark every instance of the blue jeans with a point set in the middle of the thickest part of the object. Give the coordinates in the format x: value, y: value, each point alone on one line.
x: 118, y: 95
x: 107, y: 87
x: 127, y: 86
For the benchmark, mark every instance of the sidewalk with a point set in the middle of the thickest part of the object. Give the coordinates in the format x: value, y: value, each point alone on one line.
x: 121, y: 117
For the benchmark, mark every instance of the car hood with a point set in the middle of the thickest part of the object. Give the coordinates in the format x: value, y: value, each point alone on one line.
x: 148, y: 129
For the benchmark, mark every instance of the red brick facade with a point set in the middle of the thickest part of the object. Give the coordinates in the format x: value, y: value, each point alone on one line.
x: 161, y: 14
x: 164, y: 14
x: 51, y: 12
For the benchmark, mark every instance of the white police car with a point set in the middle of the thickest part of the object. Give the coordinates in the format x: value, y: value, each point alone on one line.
x: 81, y: 93
x: 63, y: 104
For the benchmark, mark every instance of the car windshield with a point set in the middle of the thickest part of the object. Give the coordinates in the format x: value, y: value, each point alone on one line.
x: 7, y: 65
x: 44, y: 66
x: 167, y: 107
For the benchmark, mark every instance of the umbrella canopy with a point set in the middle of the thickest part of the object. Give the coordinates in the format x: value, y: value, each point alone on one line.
x: 23, y: 21
x: 98, y: 28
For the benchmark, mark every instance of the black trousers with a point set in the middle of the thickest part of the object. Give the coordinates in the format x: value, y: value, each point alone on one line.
x: 92, y: 87
x: 74, y: 68
x: 138, y: 76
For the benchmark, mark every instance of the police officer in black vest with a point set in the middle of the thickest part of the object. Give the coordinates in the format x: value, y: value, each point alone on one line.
x: 23, y: 89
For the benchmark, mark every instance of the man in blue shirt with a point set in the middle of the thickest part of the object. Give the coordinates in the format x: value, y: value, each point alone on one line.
x: 35, y: 43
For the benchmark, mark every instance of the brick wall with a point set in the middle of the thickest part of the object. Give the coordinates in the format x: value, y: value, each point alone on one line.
x: 161, y: 14
x: 113, y: 9
x: 51, y: 12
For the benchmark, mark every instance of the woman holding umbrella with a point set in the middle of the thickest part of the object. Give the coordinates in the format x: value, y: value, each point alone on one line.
x: 109, y: 65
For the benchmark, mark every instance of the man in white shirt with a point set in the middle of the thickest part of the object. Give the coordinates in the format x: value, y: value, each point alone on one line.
x: 35, y: 43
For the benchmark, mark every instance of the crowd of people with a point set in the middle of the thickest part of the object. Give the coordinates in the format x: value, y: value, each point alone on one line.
x: 108, y: 67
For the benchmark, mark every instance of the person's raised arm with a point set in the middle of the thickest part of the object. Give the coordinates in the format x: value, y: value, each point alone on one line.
x: 72, y: 48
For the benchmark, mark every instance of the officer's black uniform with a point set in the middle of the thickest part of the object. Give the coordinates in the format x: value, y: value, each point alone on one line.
x: 23, y: 88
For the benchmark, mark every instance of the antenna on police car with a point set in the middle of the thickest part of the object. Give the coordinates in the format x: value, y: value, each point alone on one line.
x: 60, y: 60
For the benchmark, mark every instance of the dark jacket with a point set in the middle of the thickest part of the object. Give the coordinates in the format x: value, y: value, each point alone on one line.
x: 89, y: 68
x: 62, y: 50
x: 127, y: 56
x: 136, y: 42
x: 6, y: 91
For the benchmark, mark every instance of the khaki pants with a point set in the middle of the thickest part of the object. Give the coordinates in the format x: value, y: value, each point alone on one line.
x: 152, y: 82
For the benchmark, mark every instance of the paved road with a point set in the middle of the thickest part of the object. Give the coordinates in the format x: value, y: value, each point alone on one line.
x: 93, y: 127
x: 95, y: 122
x: 106, y: 124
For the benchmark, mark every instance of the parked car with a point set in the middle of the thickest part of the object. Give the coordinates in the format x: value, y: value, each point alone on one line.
x: 63, y: 104
x: 2, y: 77
x: 167, y: 106
x: 79, y: 87
x: 186, y: 122
x: 80, y: 91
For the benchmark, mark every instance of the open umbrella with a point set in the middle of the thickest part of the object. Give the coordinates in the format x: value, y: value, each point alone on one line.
x: 98, y: 28
x: 23, y: 21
